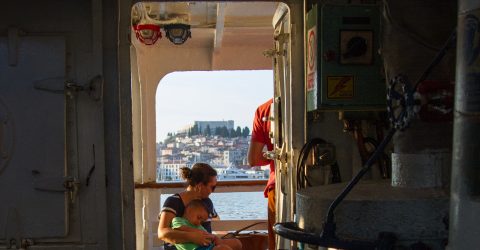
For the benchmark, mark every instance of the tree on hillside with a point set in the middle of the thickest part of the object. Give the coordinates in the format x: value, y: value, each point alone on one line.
x: 208, y: 131
x: 245, y: 132
x: 231, y: 133
x: 218, y: 131
x: 224, y: 131
x: 238, y: 131
x: 195, y: 130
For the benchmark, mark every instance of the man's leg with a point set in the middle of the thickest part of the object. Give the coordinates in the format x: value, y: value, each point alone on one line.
x: 271, y: 219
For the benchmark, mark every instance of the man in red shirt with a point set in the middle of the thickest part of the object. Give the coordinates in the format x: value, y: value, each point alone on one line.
x: 260, y: 139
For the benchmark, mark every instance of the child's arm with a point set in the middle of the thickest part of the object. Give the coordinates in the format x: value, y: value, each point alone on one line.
x: 189, y: 229
x: 178, y: 225
x: 196, y: 231
x: 166, y: 233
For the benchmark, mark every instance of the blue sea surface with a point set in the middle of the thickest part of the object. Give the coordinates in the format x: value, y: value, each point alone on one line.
x: 236, y: 206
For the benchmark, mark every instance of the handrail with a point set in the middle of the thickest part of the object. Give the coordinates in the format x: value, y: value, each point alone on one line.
x: 155, y: 185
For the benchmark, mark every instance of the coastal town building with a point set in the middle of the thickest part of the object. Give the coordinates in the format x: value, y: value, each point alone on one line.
x: 222, y: 152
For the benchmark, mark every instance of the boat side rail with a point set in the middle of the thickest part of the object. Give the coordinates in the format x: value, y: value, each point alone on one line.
x: 222, y: 186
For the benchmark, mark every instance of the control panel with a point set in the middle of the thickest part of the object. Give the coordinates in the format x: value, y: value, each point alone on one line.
x: 343, y: 66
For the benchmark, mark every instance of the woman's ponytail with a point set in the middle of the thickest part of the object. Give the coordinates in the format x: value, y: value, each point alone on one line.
x: 186, y: 173
x: 199, y: 173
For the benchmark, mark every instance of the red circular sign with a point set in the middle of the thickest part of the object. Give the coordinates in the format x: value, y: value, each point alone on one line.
x: 311, y: 49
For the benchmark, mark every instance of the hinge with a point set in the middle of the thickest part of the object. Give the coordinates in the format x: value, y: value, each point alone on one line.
x: 12, y: 47
x: 270, y: 53
x: 281, y: 37
x: 22, y: 244
x: 13, y: 34
x: 25, y: 243
x: 13, y: 228
x: 6, y: 136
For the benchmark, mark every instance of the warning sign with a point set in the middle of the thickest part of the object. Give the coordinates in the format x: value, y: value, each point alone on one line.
x: 311, y: 59
x: 340, y: 87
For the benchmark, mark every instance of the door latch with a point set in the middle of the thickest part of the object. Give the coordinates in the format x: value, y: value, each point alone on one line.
x: 57, y: 184
x: 72, y: 186
x: 58, y: 85
x: 281, y: 156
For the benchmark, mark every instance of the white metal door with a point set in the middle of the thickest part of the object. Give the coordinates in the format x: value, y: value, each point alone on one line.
x: 289, y: 112
x: 281, y: 117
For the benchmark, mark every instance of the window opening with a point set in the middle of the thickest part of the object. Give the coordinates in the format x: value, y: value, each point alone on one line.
x: 207, y: 117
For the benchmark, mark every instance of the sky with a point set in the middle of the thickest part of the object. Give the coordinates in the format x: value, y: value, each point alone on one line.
x: 184, y: 97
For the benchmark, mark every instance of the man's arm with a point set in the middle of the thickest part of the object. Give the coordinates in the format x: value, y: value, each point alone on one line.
x: 255, y: 154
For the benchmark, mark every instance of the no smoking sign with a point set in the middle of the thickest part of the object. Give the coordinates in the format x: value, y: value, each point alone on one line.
x: 311, y: 59
x: 312, y: 47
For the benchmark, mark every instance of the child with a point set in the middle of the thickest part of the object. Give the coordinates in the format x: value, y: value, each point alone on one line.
x: 195, y: 214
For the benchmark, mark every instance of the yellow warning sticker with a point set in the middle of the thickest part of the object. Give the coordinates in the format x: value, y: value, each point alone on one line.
x: 340, y: 87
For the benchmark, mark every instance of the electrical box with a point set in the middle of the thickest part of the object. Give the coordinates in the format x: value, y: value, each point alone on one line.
x: 343, y: 68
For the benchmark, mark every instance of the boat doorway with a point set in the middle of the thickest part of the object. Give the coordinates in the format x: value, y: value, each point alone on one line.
x: 225, y: 37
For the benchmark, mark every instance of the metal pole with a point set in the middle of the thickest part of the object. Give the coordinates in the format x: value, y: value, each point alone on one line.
x: 464, y: 231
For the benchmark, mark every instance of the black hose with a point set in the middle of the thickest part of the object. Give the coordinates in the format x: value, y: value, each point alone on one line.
x: 383, y: 166
x: 297, y: 234
x: 304, y: 152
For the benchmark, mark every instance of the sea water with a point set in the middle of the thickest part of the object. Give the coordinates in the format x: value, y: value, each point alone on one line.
x: 236, y: 206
